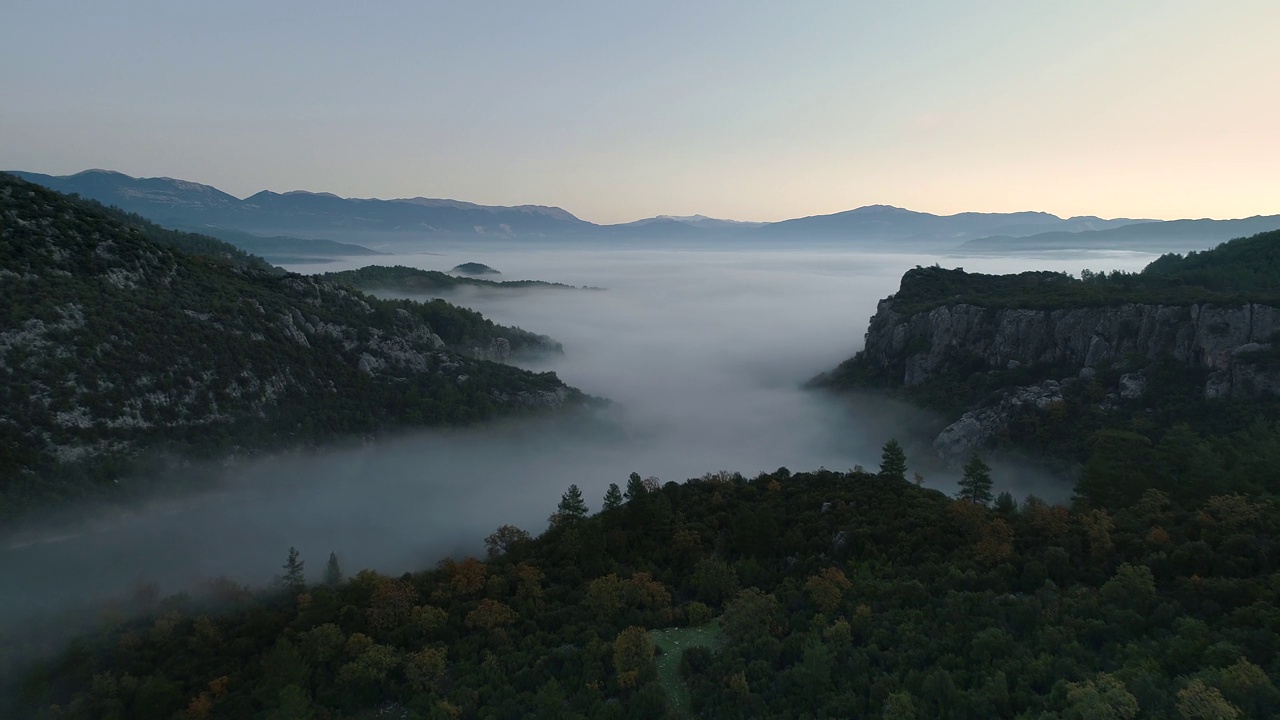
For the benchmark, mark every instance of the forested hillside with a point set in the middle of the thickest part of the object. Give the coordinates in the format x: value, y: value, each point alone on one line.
x: 118, y: 337
x: 784, y: 596
x: 409, y: 280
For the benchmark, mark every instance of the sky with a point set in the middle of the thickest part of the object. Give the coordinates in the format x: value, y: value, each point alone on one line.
x: 617, y: 111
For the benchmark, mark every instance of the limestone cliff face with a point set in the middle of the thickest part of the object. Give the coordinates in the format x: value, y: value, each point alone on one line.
x: 1220, y: 338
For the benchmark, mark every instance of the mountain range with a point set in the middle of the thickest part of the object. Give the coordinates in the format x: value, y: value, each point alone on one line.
x: 281, y: 226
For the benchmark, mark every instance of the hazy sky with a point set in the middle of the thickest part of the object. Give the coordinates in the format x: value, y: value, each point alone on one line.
x: 615, y: 111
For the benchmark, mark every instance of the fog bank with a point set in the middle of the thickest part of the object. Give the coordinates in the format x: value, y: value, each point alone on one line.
x: 702, y: 352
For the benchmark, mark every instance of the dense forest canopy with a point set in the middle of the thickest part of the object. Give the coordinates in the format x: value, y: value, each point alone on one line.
x: 811, y: 595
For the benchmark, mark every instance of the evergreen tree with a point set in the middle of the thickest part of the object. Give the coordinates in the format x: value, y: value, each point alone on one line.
x: 635, y: 487
x: 332, y: 571
x: 571, y: 506
x: 612, y: 497
x: 293, y: 579
x: 893, y: 462
x: 1006, y: 504
x: 975, y: 486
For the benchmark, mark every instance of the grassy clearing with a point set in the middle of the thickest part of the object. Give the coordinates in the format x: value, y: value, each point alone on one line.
x: 673, y: 642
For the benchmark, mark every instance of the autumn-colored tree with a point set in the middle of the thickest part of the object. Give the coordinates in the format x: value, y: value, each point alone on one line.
x: 633, y: 652
x: 995, y: 542
x: 1158, y: 537
x: 643, y: 591
x: 391, y: 606
x: 1229, y: 512
x: 467, y: 576
x: 490, y: 614
x: 424, y: 668
x: 1097, y: 526
x: 1051, y: 521
x: 828, y: 588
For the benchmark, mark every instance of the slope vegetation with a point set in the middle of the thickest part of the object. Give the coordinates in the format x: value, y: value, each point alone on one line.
x: 117, y: 336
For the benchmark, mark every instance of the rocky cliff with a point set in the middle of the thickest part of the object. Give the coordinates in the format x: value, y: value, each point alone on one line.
x: 995, y: 348
x: 1227, y: 340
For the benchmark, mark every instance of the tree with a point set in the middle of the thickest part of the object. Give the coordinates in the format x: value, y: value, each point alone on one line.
x: 975, y: 486
x: 293, y: 579
x: 750, y: 615
x: 899, y: 706
x: 490, y: 614
x: 635, y: 487
x: 505, y: 539
x: 612, y: 497
x: 1103, y: 698
x: 332, y: 571
x: 571, y: 506
x: 1198, y: 701
x: 828, y: 588
x: 893, y: 462
x: 632, y: 653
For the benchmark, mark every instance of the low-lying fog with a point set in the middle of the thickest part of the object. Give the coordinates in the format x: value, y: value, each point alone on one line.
x: 703, y: 353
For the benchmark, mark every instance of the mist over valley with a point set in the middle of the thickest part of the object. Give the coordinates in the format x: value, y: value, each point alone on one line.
x: 702, y: 353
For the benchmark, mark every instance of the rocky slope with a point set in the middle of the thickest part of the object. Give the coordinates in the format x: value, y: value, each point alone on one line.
x: 112, y: 342
x: 1003, y: 346
x: 1227, y: 340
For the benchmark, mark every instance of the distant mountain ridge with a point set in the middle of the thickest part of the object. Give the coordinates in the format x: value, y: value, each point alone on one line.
x: 890, y: 223
x: 299, y: 214
x: 396, y: 224
x: 1161, y: 236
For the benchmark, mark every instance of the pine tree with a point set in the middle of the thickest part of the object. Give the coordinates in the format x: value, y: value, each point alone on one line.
x: 635, y: 487
x: 293, y: 579
x: 332, y: 571
x: 571, y: 506
x: 893, y: 462
x: 612, y: 497
x: 975, y: 486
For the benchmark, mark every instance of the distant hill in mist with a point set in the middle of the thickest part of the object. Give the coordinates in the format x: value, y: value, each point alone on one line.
x: 273, y: 224
x: 1155, y: 236
x: 886, y: 223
